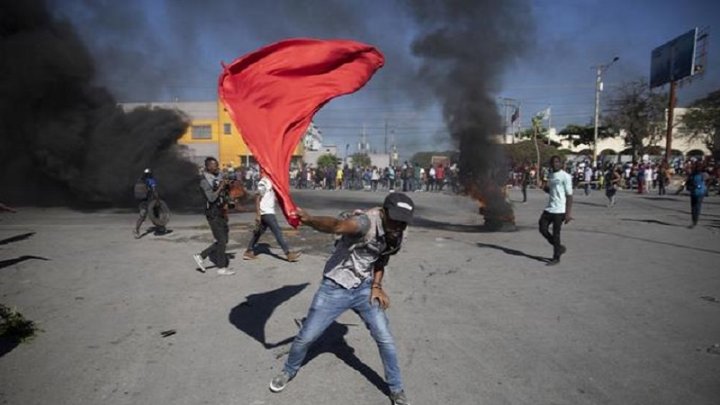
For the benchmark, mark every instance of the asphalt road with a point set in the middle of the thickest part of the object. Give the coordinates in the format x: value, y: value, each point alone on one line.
x: 629, y: 316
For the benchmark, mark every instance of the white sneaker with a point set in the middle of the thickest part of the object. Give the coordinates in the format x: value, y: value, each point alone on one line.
x: 199, y: 261
x: 279, y: 382
x: 224, y: 271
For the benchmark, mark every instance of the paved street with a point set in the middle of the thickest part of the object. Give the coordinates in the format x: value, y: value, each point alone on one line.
x: 627, y: 317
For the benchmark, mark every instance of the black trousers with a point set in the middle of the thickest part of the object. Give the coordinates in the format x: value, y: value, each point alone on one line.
x: 143, y: 208
x: 553, y: 238
x: 695, y: 207
x: 524, y: 192
x: 220, y: 230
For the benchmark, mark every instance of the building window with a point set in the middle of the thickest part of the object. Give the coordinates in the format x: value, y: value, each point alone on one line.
x: 201, y: 132
x: 227, y: 129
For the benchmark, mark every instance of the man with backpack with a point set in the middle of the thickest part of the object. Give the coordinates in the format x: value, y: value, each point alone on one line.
x: 696, y: 184
x: 145, y: 191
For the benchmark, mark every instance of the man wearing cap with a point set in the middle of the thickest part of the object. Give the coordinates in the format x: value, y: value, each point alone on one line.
x: 352, y: 279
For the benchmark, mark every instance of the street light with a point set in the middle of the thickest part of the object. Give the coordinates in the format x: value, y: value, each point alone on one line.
x: 598, y: 89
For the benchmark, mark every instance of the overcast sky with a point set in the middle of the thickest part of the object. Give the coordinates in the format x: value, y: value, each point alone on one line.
x: 172, y: 49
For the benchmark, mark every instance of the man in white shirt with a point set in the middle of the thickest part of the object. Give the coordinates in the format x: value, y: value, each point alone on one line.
x: 587, y: 179
x: 558, y: 210
x: 431, y: 179
x: 265, y: 200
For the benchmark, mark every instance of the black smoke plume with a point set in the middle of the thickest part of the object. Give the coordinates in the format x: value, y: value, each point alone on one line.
x: 464, y: 46
x: 144, y: 56
x: 65, y: 140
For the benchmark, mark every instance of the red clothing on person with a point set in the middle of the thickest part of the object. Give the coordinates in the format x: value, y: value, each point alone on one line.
x: 272, y: 94
x: 440, y: 172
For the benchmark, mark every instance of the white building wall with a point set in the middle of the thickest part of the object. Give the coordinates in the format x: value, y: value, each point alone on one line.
x: 313, y: 139
x: 311, y: 156
x: 679, y: 142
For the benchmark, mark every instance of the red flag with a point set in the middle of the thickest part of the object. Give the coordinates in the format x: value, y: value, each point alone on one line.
x: 272, y: 94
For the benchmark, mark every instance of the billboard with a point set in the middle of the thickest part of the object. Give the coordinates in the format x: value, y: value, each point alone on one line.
x: 673, y: 60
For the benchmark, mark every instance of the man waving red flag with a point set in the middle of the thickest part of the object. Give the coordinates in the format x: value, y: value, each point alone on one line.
x: 272, y: 94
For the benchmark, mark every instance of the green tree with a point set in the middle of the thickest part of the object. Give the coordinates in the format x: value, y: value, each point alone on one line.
x: 702, y: 122
x: 540, y: 131
x: 525, y: 152
x: 638, y: 111
x: 327, y: 160
x: 360, y: 159
x: 584, y: 134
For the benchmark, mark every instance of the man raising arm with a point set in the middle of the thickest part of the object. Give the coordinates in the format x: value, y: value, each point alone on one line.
x: 352, y: 279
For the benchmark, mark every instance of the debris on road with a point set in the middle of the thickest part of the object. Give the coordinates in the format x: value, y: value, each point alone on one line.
x: 714, y: 349
x: 168, y: 332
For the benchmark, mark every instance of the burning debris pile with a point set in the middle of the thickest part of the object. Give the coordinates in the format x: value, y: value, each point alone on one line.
x: 64, y: 140
x: 493, y: 206
x: 464, y: 47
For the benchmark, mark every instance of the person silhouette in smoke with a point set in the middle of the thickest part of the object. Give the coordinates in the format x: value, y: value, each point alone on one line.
x: 146, y: 192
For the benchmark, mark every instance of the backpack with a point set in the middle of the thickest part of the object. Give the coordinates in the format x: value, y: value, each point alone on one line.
x: 140, y: 190
x: 696, y: 185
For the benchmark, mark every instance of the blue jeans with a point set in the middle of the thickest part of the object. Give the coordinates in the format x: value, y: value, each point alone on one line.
x: 695, y: 207
x: 268, y: 221
x: 330, y: 301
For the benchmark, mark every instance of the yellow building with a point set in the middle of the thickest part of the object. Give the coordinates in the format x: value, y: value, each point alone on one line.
x: 212, y: 133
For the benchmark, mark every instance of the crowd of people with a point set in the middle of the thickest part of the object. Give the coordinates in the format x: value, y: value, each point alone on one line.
x: 699, y: 177
x: 643, y: 177
x: 408, y: 177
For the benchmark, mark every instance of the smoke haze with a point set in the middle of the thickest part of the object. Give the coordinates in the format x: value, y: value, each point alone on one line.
x: 64, y: 139
x: 464, y: 47
x: 65, y: 133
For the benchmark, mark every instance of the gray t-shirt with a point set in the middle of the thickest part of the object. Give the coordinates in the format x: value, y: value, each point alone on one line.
x: 208, y: 184
x: 353, y: 260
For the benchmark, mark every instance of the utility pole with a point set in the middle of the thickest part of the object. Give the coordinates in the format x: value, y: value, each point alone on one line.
x: 386, y: 129
x: 598, y: 89
x: 363, y: 145
x: 519, y: 123
x: 671, y: 110
x: 507, y: 121
x: 507, y: 103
